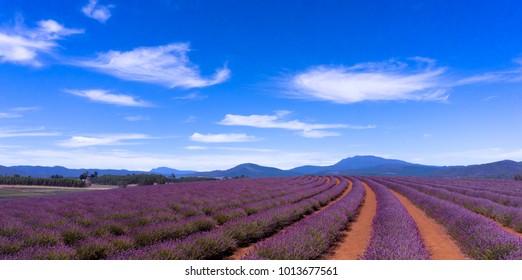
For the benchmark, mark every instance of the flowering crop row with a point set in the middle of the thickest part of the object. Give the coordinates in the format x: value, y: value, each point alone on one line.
x: 506, y: 215
x: 394, y: 234
x: 511, y: 188
x: 118, y: 220
x: 506, y: 200
x: 477, y: 236
x: 239, y: 232
x: 311, y: 237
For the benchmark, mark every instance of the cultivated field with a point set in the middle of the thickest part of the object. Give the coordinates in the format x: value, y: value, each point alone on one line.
x: 308, y: 217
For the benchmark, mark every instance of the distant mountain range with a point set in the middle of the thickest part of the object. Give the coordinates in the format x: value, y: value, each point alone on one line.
x: 358, y: 165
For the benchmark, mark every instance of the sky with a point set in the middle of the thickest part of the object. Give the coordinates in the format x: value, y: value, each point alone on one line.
x: 204, y: 85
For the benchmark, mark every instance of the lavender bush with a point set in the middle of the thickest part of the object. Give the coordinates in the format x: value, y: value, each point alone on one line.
x: 394, y: 234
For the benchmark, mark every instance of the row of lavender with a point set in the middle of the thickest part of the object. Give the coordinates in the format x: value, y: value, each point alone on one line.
x: 94, y: 224
x: 394, y: 234
x: 313, y: 236
x: 509, y: 216
x: 504, y: 199
x: 504, y: 187
x: 220, y: 242
x: 477, y: 236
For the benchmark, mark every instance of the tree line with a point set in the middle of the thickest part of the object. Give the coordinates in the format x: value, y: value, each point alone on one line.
x: 55, y: 180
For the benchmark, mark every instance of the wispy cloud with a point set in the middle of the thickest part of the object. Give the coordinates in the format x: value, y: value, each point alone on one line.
x: 105, y: 96
x: 191, y: 119
x: 191, y: 96
x: 166, y: 65
x: 96, y: 11
x: 489, y: 98
x: 25, y: 109
x: 317, y: 133
x: 510, y: 75
x: 242, y: 149
x: 26, y: 132
x: 87, y: 141
x: 22, y: 45
x: 137, y: 118
x: 118, y: 158
x: 7, y: 115
x: 309, y: 130
x: 387, y: 81
x: 222, y: 138
x: 194, y: 148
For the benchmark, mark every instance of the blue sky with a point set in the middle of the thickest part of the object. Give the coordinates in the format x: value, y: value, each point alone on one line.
x: 207, y: 85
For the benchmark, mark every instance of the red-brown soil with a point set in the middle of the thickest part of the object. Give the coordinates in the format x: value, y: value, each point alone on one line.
x: 357, y: 236
x: 437, y: 241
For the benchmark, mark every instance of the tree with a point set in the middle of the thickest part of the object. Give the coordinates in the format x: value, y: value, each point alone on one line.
x: 84, y: 175
x: 94, y: 175
x: 518, y: 177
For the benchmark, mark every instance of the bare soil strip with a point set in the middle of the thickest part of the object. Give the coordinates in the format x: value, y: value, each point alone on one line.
x: 240, y: 252
x: 357, y: 236
x: 437, y: 241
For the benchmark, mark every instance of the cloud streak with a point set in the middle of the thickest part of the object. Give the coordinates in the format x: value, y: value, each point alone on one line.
x: 105, y: 96
x: 222, y: 138
x: 98, y: 12
x: 307, y: 130
x: 6, y: 115
x: 22, y: 45
x: 26, y: 132
x: 166, y: 65
x: 88, y: 141
x: 388, y: 81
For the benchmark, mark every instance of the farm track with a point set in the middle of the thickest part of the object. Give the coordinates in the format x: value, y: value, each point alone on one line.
x: 440, y: 245
x: 240, y: 252
x: 357, y: 236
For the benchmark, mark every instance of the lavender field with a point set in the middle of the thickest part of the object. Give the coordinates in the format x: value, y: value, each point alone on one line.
x: 307, y: 217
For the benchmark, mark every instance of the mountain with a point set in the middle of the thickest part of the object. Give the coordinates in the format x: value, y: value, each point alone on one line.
x: 505, y: 169
x: 357, y: 165
x: 247, y: 169
x: 368, y: 165
x: 168, y: 171
x: 7, y: 171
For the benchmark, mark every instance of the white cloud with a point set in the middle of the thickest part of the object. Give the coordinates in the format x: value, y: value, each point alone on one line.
x: 193, y: 148
x: 191, y: 96
x: 22, y: 45
x: 104, y: 96
x: 166, y: 65
x: 243, y: 149
x: 388, y: 81
x: 5, y: 115
x: 98, y: 12
x: 25, y: 109
x: 87, y: 141
x: 317, y: 133
x: 118, y: 159
x: 26, y: 132
x: 222, y: 138
x: 137, y: 118
x: 274, y: 121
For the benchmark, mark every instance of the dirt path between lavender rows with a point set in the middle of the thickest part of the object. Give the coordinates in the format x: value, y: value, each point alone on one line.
x: 240, y: 252
x: 358, y: 235
x: 437, y: 241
